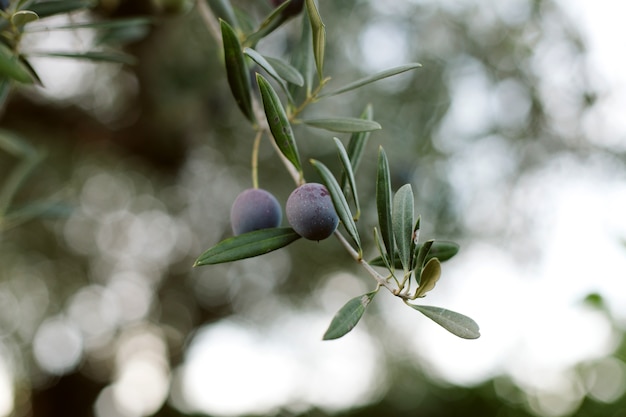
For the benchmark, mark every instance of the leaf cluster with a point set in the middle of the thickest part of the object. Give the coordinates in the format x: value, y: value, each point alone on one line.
x: 412, y: 268
x: 27, y: 16
x: 18, y: 19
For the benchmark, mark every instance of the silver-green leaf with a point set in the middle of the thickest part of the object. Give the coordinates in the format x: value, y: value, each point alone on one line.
x: 278, y: 122
x: 402, y: 220
x: 343, y: 124
x: 319, y: 36
x: 373, y: 78
x: 457, y: 324
x: 349, y: 174
x: 384, y: 203
x: 348, y: 316
x: 237, y: 70
x: 339, y: 201
x: 428, y: 277
x: 247, y: 245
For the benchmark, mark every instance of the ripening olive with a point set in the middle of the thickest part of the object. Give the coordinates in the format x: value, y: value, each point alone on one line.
x: 254, y: 209
x: 311, y: 213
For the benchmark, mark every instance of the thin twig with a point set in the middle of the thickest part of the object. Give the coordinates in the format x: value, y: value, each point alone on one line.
x: 379, y: 278
x: 210, y: 20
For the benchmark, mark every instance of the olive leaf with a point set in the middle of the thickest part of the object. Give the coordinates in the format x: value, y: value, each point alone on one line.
x: 318, y: 35
x: 356, y: 145
x: 276, y: 18
x: 373, y: 78
x: 349, y: 174
x: 420, y: 252
x: 223, y: 10
x: 384, y: 204
x: 237, y: 70
x: 302, y: 58
x: 457, y: 324
x: 343, y: 124
x: 440, y: 249
x: 247, y: 245
x: 50, y: 8
x: 428, y: 277
x: 402, y: 222
x: 348, y: 316
x: 278, y: 122
x: 23, y: 17
x: 101, y: 56
x: 339, y: 201
x: 12, y: 67
x: 286, y: 71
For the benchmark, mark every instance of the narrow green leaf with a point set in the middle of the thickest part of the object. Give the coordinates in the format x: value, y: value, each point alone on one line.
x: 428, y: 277
x: 5, y: 88
x: 269, y: 68
x: 384, y: 202
x: 36, y: 210
x: 373, y: 78
x: 23, y: 17
x: 319, y: 36
x: 348, y: 316
x: 100, y: 56
x: 269, y: 24
x: 53, y: 7
x: 15, y: 145
x: 247, y: 245
x: 347, y: 172
x: 343, y: 124
x: 402, y: 222
x: 302, y: 59
x: 356, y: 145
x: 278, y: 122
x: 420, y: 252
x: 101, y: 24
x: 121, y: 35
x: 11, y: 66
x: 286, y: 71
x: 237, y: 70
x: 339, y: 201
x: 223, y: 10
x: 415, y: 242
x: 263, y: 63
x: 441, y: 250
x: 383, y: 259
x: 457, y: 324
x: 16, y: 179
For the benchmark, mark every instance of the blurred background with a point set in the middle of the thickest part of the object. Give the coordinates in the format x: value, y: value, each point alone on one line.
x: 512, y: 134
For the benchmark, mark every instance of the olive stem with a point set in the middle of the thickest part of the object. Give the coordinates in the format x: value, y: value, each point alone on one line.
x: 210, y: 20
x: 357, y: 257
x: 255, y: 158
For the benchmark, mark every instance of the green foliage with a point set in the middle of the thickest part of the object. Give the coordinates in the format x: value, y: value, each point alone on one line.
x: 248, y: 245
x: 270, y: 114
x: 339, y: 201
x: 397, y: 233
x: 348, y: 316
x: 15, y: 69
x: 453, y: 322
x: 279, y: 123
x: 237, y: 70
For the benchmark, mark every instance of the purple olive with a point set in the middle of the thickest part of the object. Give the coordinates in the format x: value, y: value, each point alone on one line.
x: 311, y: 213
x: 254, y: 209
